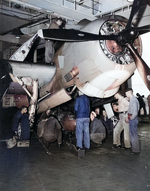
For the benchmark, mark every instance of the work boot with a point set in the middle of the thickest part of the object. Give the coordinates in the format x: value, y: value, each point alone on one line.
x: 116, y: 146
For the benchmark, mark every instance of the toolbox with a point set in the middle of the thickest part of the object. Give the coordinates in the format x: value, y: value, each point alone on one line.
x: 81, y: 153
x: 23, y: 143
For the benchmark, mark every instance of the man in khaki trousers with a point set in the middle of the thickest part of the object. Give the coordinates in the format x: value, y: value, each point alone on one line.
x: 122, y: 108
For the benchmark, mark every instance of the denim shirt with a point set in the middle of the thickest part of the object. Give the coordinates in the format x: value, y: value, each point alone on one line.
x: 82, y: 107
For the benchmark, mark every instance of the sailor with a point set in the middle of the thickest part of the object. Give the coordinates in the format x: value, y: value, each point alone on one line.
x: 21, y: 125
x: 122, y: 108
x: 49, y: 128
x: 97, y: 129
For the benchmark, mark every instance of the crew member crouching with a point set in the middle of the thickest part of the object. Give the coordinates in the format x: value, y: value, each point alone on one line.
x: 97, y: 129
x: 49, y: 129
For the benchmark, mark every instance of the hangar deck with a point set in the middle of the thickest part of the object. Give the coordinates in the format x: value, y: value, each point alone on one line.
x: 102, y: 168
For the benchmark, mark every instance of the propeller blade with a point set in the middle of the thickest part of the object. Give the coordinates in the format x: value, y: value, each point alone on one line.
x: 142, y: 67
x: 72, y: 35
x: 135, y: 8
x: 144, y: 29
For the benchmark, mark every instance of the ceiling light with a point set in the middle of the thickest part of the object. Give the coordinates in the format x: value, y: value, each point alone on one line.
x: 81, y: 2
x: 17, y: 36
x: 130, y: 1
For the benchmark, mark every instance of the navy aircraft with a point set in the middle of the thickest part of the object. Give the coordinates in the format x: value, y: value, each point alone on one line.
x: 96, y: 60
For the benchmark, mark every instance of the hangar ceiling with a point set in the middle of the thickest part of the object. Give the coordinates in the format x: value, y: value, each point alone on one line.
x: 31, y: 15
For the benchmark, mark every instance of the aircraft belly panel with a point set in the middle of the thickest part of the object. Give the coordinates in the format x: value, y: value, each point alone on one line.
x: 102, y: 81
x: 92, y: 91
x: 98, y: 89
x: 54, y: 100
x: 111, y: 92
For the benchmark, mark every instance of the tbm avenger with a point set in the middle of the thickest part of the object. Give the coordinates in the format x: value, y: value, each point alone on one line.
x: 96, y: 60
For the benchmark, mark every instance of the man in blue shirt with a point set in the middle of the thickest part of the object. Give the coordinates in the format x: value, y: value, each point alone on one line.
x: 21, y: 120
x: 133, y: 120
x: 82, y: 109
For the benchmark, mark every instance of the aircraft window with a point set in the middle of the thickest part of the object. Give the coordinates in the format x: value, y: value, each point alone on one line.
x: 115, y: 52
